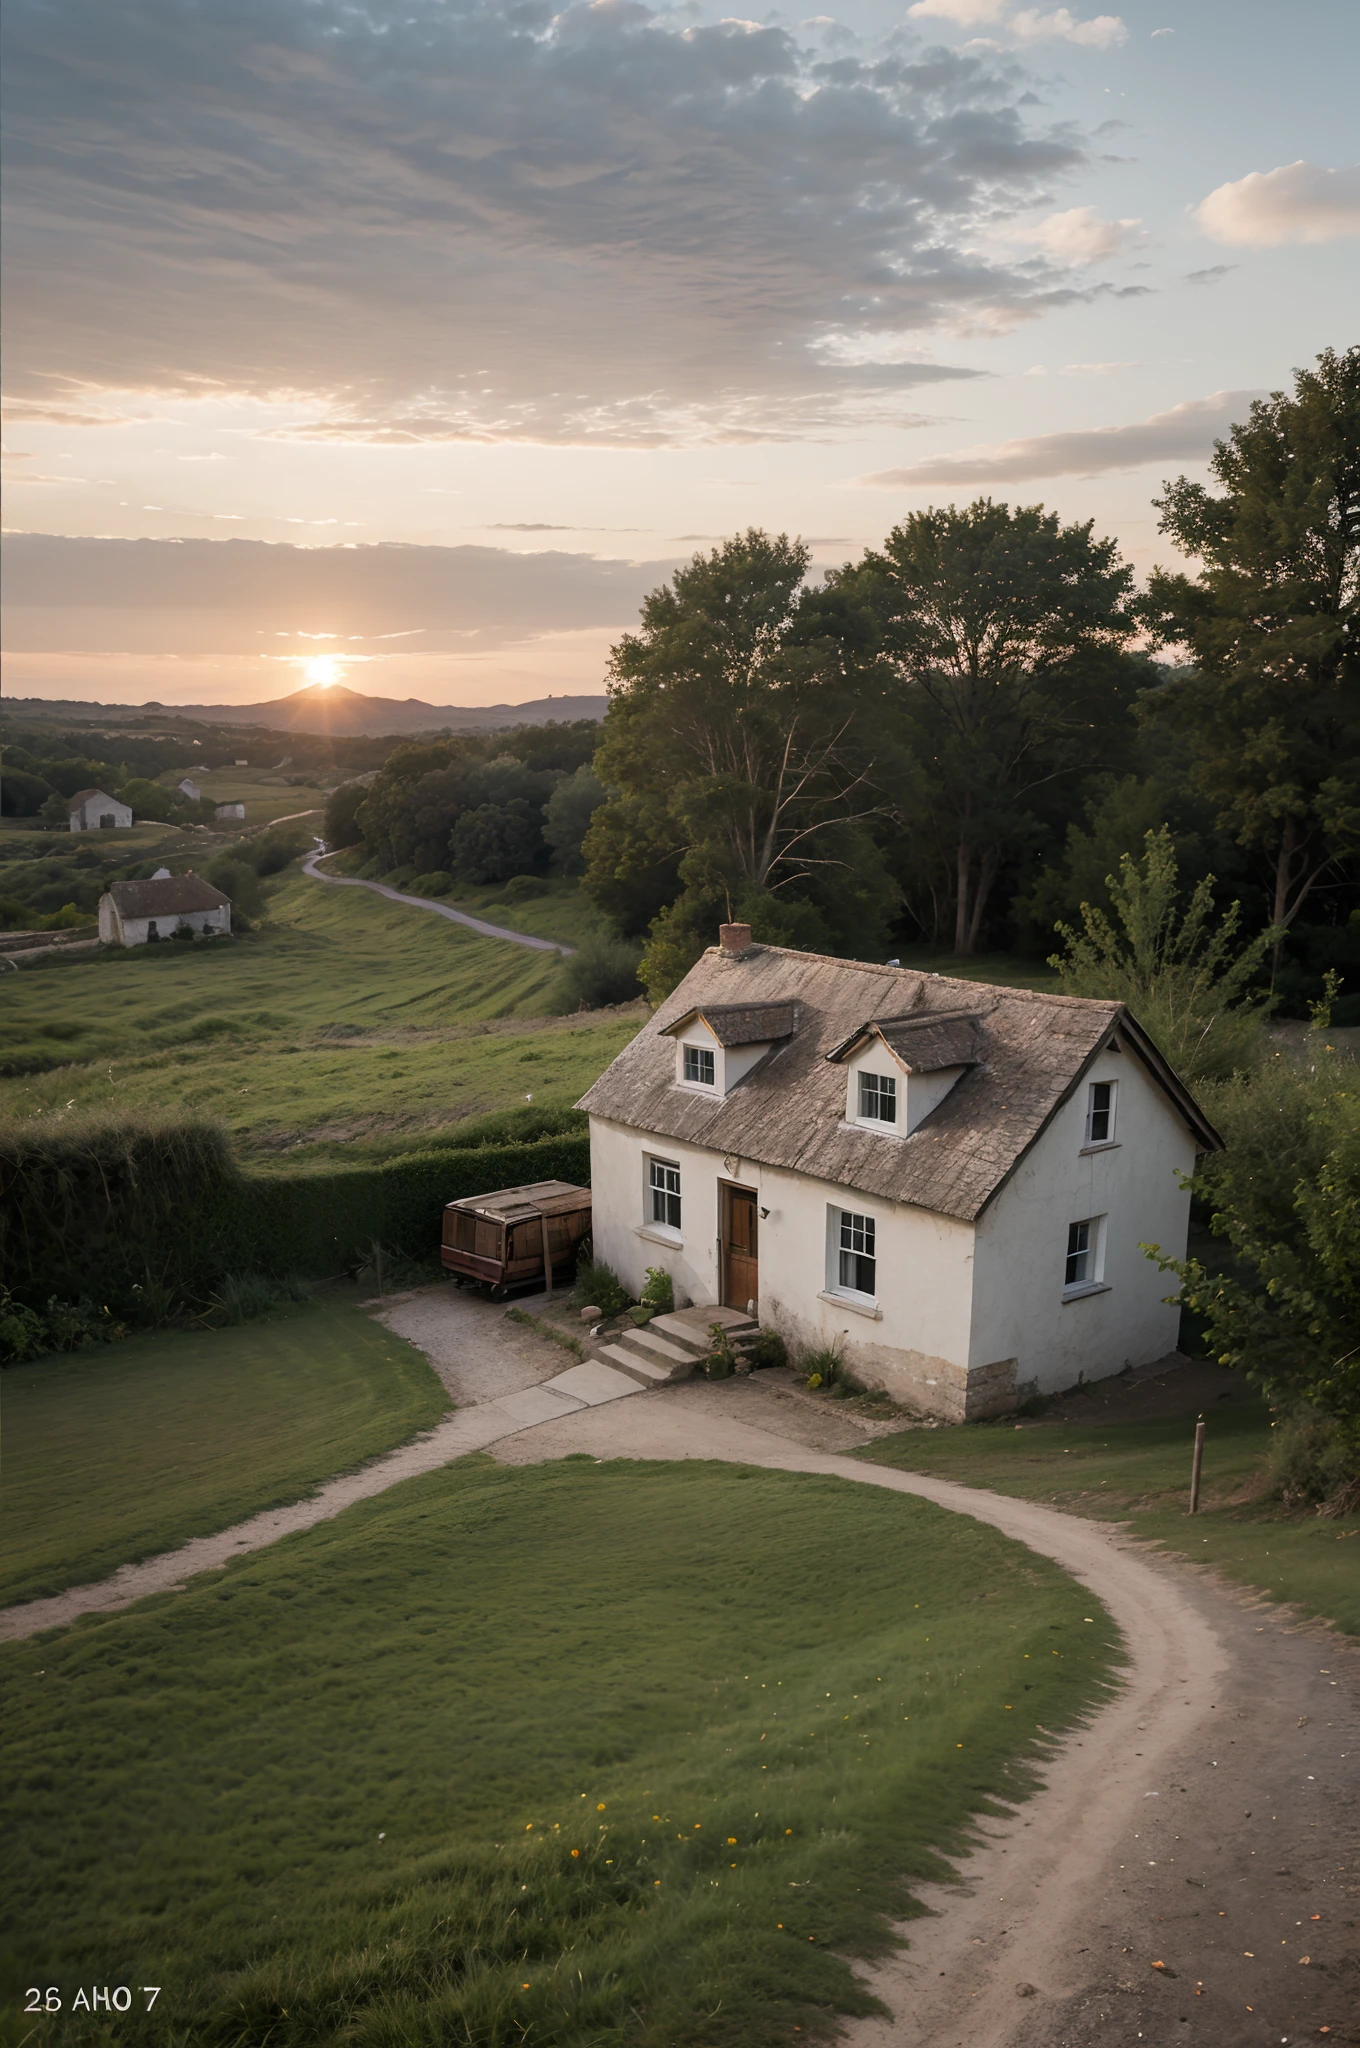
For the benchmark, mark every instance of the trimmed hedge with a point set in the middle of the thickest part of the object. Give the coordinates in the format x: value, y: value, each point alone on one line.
x: 135, y: 1213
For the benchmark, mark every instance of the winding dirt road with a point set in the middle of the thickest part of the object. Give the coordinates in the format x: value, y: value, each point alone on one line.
x: 1189, y: 1873
x: 474, y: 924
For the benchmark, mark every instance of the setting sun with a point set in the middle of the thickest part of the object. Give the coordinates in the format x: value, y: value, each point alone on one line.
x: 323, y: 670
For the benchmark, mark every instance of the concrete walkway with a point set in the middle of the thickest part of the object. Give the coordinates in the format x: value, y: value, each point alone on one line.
x: 474, y: 924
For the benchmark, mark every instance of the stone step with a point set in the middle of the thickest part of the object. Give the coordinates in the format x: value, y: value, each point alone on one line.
x: 689, y: 1327
x: 650, y: 1344
x: 645, y: 1371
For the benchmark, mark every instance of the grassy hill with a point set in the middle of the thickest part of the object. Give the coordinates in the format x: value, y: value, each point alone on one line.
x: 347, y: 1026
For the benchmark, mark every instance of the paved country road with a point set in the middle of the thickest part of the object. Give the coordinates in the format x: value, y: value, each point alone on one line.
x: 1190, y: 1872
x: 474, y: 924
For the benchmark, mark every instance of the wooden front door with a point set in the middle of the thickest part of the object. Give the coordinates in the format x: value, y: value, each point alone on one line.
x: 738, y: 1229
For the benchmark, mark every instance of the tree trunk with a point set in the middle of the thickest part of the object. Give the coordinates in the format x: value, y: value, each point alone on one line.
x: 991, y: 860
x: 962, y: 929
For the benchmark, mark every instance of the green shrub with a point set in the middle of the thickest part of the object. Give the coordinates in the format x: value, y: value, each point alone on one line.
x: 599, y: 1286
x: 240, y: 1297
x: 659, y: 1293
x: 1312, y: 1463
x: 822, y: 1367
x: 437, y: 883
x: 523, y: 889
x: 27, y: 1332
x: 721, y: 1361
x: 601, y: 972
x: 769, y: 1349
x: 133, y: 1211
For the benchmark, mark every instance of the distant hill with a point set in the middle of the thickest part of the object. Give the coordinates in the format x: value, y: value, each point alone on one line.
x: 332, y: 710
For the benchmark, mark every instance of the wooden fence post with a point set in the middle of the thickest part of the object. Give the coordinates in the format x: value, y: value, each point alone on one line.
x: 547, y: 1259
x: 1195, y: 1466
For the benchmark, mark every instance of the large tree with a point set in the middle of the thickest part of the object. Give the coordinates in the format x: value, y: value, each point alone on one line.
x: 1271, y: 703
x: 1004, y: 670
x: 736, y: 750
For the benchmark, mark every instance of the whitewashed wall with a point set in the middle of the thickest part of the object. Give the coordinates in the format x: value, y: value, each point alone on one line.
x: 915, y: 1347
x: 1018, y: 1307
x: 133, y: 931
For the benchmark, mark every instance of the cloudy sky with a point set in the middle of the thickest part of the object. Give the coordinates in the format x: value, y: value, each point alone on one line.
x: 418, y: 341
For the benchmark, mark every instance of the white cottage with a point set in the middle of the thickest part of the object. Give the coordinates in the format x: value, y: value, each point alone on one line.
x: 130, y: 913
x: 189, y: 789
x: 232, y: 808
x: 949, y: 1182
x: 93, y: 810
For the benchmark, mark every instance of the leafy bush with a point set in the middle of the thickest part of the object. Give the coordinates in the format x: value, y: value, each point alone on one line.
x: 601, y: 972
x: 437, y: 883
x: 240, y: 1297
x: 23, y: 795
x: 58, y: 1326
x: 270, y: 852
x: 1312, y: 1464
x: 1189, y: 986
x: 659, y: 1292
x: 822, y: 1367
x: 238, y: 880
x: 1285, y: 1195
x: 151, y: 1216
x: 769, y: 1349
x: 598, y: 1286
x: 721, y: 1361
x: 524, y: 888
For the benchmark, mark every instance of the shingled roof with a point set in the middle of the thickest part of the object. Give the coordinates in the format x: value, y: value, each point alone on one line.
x: 73, y: 803
x: 741, y: 1023
x: 1028, y: 1051
x: 179, y: 896
x: 924, y: 1044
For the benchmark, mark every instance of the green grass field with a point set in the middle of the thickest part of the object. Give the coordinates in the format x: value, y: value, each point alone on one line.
x: 473, y: 1763
x: 266, y: 795
x: 347, y: 1026
x: 1139, y: 1472
x: 115, y: 1453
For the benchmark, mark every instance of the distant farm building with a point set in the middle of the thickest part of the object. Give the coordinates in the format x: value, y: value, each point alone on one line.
x: 234, y: 809
x: 188, y: 787
x: 93, y: 810
x: 130, y: 913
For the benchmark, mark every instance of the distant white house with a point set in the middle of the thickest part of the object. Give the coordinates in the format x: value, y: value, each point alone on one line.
x: 232, y: 809
x: 93, y: 810
x: 946, y: 1182
x: 188, y: 787
x: 130, y: 913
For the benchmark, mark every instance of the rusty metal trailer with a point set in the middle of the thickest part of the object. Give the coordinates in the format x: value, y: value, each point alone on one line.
x: 515, y: 1237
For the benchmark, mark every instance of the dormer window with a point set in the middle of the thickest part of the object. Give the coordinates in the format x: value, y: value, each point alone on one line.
x: 900, y: 1069
x: 699, y: 1066
x: 719, y: 1045
x: 878, y: 1098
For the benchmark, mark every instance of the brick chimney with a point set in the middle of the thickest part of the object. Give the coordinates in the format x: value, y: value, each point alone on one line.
x: 733, y: 939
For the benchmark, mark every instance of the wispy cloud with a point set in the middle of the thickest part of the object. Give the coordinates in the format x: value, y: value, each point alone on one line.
x: 1080, y: 236
x: 1298, y: 202
x: 458, y: 220
x: 1026, y: 24
x: 1184, y: 434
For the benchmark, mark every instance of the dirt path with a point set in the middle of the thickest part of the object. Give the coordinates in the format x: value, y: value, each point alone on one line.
x: 1206, y: 1821
x: 474, y: 924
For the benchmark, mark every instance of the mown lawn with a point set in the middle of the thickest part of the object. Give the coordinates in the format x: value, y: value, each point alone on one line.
x: 1140, y: 1472
x: 345, y: 1019
x: 573, y: 1754
x: 115, y: 1453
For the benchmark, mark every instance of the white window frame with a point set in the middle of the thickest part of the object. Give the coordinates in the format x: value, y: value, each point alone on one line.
x: 1091, y: 1143
x: 662, y: 1191
x: 836, y: 1220
x: 701, y: 1053
x: 1093, y: 1252
x: 872, y: 1119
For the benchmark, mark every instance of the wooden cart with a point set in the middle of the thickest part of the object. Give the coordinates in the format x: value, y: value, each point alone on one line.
x: 515, y: 1237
